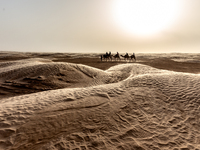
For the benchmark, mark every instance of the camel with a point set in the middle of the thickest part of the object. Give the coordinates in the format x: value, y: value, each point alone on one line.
x: 126, y: 57
x: 106, y: 56
x: 116, y: 57
x: 133, y: 57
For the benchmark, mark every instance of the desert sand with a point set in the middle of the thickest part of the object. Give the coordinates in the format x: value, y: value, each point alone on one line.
x: 68, y: 101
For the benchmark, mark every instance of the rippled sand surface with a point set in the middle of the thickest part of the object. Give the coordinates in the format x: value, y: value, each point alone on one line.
x: 57, y: 101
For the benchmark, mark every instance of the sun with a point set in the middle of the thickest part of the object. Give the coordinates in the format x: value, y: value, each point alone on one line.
x: 145, y: 17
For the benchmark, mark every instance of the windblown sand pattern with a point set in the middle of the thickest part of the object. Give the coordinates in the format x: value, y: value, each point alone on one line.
x: 71, y: 106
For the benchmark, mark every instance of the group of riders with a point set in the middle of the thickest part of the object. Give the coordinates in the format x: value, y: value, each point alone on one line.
x: 109, y: 56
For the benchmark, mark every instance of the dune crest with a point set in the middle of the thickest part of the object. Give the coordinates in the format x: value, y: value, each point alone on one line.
x: 128, y: 106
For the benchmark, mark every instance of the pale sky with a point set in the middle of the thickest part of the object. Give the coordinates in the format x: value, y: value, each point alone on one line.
x: 140, y: 26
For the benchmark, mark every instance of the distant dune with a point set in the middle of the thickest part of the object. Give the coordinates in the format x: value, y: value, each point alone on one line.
x: 58, y: 101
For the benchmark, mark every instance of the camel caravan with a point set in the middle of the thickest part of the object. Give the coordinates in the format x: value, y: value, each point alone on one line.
x: 117, y: 57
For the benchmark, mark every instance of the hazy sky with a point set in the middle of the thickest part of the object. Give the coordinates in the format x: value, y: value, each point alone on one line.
x: 100, y: 25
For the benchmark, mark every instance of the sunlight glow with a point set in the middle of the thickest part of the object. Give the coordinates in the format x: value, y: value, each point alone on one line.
x: 145, y: 17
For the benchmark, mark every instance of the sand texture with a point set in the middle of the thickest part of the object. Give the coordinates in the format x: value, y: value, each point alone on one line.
x: 56, y: 101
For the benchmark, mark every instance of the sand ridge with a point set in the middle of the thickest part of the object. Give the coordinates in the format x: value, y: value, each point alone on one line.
x: 128, y: 106
x: 32, y: 75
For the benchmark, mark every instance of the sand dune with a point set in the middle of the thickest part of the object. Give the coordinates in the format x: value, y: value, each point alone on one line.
x: 32, y: 75
x: 128, y: 106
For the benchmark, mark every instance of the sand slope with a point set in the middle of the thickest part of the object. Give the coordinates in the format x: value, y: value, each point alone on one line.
x: 33, y: 75
x: 129, y: 106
